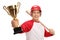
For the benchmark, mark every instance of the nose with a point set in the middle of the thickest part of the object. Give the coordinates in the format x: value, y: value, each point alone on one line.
x: 36, y: 13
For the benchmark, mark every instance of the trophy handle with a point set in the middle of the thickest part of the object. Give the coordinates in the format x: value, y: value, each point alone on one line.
x: 5, y: 8
x: 18, y: 6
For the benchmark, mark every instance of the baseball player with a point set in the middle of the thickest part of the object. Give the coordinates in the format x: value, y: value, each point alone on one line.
x: 34, y: 28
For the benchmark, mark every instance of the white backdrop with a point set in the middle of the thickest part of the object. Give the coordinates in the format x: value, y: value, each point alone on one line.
x: 50, y: 17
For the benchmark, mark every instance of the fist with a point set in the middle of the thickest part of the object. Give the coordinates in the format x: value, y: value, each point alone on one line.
x: 15, y: 23
x: 51, y: 31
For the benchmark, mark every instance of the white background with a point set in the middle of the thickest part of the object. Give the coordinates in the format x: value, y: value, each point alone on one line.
x: 50, y: 17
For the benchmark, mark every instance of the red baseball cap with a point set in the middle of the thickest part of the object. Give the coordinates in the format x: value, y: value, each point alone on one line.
x: 35, y: 7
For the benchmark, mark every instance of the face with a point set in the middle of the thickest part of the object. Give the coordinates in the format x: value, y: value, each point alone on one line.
x: 36, y: 14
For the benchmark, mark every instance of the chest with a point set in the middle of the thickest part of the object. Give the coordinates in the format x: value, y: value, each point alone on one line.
x: 36, y: 32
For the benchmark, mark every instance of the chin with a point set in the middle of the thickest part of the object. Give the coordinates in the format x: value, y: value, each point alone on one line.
x: 36, y: 18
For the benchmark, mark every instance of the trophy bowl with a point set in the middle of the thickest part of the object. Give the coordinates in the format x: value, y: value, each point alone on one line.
x: 12, y: 10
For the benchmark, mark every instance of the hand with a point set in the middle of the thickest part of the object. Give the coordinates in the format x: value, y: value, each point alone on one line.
x: 51, y: 31
x: 15, y: 23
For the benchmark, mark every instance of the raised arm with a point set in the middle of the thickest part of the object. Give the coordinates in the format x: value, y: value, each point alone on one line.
x: 16, y: 28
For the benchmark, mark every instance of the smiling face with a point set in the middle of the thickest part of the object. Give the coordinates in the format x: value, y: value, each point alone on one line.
x: 36, y: 14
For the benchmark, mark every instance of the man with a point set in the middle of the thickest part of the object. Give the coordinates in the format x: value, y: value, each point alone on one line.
x: 34, y: 29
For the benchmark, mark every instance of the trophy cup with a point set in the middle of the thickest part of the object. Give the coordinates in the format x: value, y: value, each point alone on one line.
x: 12, y: 10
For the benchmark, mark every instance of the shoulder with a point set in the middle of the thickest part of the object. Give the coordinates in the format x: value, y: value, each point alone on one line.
x: 28, y: 22
x: 26, y: 26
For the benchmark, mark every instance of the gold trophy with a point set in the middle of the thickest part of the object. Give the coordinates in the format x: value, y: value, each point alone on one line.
x: 12, y: 10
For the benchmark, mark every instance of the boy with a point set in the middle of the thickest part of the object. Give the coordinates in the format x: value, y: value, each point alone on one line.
x: 34, y: 29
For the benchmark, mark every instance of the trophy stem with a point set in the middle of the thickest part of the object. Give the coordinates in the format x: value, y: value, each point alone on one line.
x: 15, y: 12
x: 14, y: 18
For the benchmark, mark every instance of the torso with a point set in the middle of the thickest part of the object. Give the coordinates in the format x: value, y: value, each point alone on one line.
x: 36, y: 32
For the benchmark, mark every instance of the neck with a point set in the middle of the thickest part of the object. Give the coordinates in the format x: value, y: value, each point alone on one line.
x: 36, y: 20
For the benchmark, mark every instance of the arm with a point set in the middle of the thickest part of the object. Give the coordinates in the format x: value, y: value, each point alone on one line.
x: 21, y: 29
x: 25, y: 27
x: 15, y: 24
x: 48, y: 33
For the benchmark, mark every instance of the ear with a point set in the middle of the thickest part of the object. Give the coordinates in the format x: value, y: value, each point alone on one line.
x: 40, y: 14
